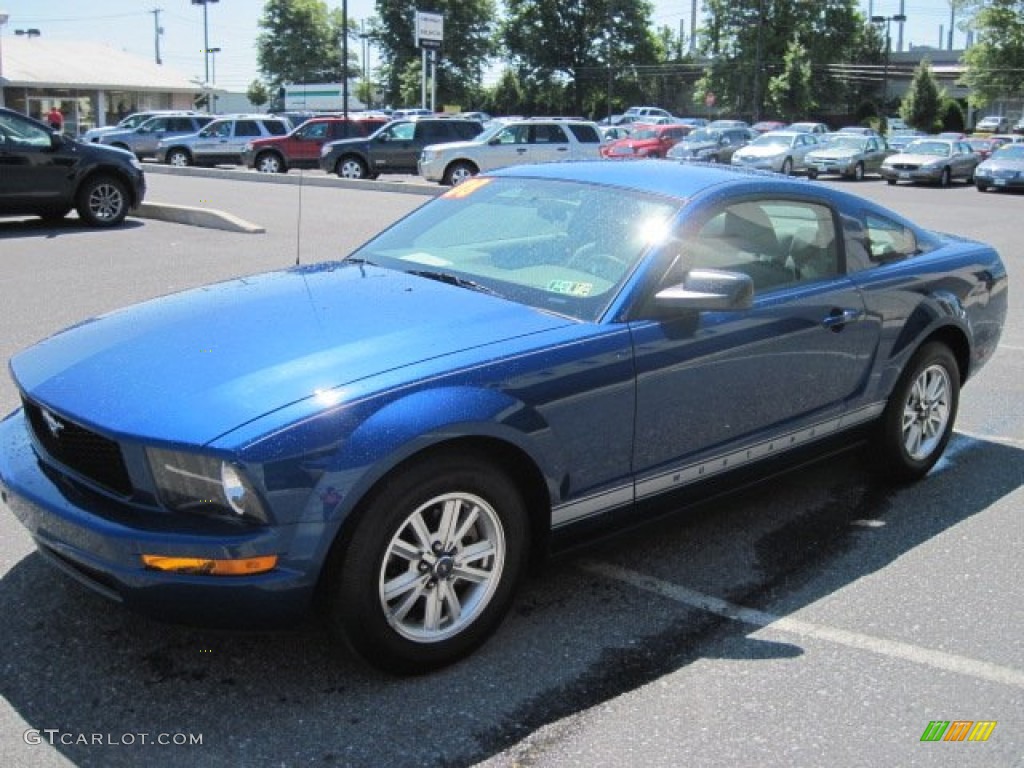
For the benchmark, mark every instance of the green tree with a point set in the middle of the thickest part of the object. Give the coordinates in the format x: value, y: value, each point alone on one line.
x: 300, y: 42
x: 581, y: 47
x: 790, y: 93
x: 257, y: 93
x: 923, y: 102
x: 469, y: 27
x: 995, y: 63
x: 747, y: 40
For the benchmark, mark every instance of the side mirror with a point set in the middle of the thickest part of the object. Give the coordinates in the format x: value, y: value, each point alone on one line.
x: 709, y: 290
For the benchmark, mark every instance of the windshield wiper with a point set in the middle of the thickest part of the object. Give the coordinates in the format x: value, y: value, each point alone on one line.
x: 453, y: 279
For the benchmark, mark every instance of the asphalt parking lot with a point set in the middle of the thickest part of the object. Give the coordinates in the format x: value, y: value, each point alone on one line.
x: 818, y: 619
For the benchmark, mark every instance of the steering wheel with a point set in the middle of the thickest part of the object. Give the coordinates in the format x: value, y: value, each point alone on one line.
x: 590, y: 258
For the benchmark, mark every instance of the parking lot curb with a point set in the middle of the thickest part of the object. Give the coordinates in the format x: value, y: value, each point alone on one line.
x: 298, y: 177
x: 210, y: 218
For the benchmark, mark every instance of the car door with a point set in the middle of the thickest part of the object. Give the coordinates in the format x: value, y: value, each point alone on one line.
x: 244, y: 132
x: 304, y: 145
x: 964, y: 160
x: 754, y: 380
x: 547, y: 143
x: 34, y: 170
x: 145, y: 138
x: 212, y: 140
x: 393, y: 148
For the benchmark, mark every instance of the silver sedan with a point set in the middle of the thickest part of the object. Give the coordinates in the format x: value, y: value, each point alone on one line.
x: 848, y: 155
x: 780, y: 151
x: 932, y: 160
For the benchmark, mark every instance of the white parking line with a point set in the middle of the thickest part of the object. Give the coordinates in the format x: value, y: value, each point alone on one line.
x: 948, y: 662
x: 1013, y: 442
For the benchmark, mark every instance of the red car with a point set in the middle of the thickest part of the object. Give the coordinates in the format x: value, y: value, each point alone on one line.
x: 646, y: 141
x: 301, y: 147
x: 984, y: 147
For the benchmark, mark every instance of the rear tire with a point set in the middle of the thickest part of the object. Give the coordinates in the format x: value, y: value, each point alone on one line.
x: 918, y: 420
x: 787, y: 167
x: 812, y: 174
x: 458, y: 172
x: 179, y: 158
x: 270, y: 162
x: 858, y: 172
x: 431, y: 566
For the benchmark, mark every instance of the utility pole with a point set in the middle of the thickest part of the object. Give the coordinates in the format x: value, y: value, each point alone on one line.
x: 344, y: 58
x: 157, y: 31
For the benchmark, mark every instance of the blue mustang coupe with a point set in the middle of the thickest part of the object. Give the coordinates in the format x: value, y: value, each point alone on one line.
x: 544, y: 349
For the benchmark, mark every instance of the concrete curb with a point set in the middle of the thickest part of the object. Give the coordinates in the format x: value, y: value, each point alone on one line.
x: 209, y: 218
x: 299, y: 177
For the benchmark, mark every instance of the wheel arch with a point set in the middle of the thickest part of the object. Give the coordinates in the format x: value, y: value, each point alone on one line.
x: 264, y: 151
x: 507, y: 457
x: 112, y: 171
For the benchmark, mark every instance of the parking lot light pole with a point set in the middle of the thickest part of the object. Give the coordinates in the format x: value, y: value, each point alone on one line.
x: 887, y: 20
x: 4, y: 17
x: 206, y: 35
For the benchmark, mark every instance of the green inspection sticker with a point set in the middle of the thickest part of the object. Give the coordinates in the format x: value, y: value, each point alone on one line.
x: 570, y: 287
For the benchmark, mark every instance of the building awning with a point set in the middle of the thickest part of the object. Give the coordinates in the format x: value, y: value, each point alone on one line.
x: 39, y: 62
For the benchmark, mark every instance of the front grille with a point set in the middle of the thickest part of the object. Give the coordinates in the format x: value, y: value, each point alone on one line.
x: 905, y: 166
x: 92, y: 456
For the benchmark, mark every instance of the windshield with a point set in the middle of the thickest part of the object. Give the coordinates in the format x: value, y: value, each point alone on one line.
x: 1010, y: 152
x: 937, y: 148
x: 847, y: 142
x: 772, y: 140
x: 703, y: 134
x: 561, y: 247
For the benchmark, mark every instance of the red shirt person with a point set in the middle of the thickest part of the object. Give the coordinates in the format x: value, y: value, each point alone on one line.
x: 56, y: 119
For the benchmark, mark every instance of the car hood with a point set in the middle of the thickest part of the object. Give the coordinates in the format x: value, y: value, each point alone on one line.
x: 1000, y: 164
x: 914, y: 158
x: 766, y: 151
x: 696, y: 146
x: 192, y: 366
x: 839, y: 153
x: 455, y: 146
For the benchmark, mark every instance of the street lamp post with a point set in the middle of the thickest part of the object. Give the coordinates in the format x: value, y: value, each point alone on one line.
x: 4, y: 17
x: 887, y: 20
x: 206, y: 34
x: 213, y: 76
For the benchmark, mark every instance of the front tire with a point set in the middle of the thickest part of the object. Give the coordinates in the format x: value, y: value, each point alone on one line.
x: 787, y: 167
x: 858, y: 172
x: 946, y: 177
x: 103, y: 201
x: 432, y: 565
x: 351, y: 168
x: 918, y: 421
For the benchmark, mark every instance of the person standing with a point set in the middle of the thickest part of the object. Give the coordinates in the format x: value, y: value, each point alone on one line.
x: 56, y: 119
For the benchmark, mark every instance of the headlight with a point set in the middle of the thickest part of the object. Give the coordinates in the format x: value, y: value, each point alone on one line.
x: 136, y: 163
x: 427, y: 155
x: 247, y: 147
x: 325, y: 150
x: 192, y: 482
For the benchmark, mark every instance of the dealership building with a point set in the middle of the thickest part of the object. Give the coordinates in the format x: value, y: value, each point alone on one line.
x: 91, y: 83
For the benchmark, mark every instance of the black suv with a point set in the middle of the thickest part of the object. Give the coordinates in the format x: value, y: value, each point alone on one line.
x: 395, y: 148
x: 47, y: 174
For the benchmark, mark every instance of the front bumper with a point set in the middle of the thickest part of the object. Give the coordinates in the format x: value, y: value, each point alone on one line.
x: 911, y: 174
x: 1000, y: 180
x: 104, y: 551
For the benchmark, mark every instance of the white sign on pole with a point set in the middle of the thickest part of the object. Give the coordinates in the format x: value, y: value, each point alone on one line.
x: 429, y: 29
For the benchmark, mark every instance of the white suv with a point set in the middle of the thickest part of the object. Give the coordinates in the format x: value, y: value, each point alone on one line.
x: 516, y: 142
x: 220, y: 142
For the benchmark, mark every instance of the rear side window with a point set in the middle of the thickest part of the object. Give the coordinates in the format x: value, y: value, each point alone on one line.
x: 275, y: 128
x: 465, y: 129
x: 585, y: 134
x: 247, y: 128
x: 183, y: 124
x: 430, y: 131
x: 889, y: 240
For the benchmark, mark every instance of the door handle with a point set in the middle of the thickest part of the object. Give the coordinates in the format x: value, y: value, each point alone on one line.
x: 838, y: 318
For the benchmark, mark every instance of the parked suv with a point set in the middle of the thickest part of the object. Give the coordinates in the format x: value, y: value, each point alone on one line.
x: 131, y: 121
x: 47, y: 174
x: 711, y: 145
x: 301, y: 147
x: 221, y: 141
x: 513, y: 143
x: 992, y: 124
x: 395, y: 148
x: 143, y: 141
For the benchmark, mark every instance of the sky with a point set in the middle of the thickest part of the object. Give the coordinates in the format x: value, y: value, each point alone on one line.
x: 232, y: 26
